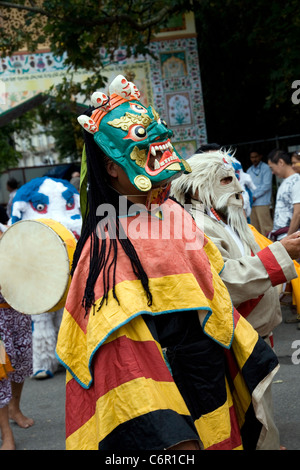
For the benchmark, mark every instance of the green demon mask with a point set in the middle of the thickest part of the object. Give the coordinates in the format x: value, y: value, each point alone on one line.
x: 133, y: 136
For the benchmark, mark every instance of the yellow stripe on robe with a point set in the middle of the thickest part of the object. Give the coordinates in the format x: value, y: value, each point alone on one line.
x: 142, y: 395
x: 244, y: 341
x: 165, y: 395
x: 215, y: 426
x: 79, y: 369
x: 220, y: 327
x: 171, y: 282
x: 241, y: 397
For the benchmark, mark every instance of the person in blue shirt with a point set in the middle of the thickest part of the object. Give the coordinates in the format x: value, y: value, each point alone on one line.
x: 262, y: 178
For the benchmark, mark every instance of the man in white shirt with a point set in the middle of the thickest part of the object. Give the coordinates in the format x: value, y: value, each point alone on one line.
x: 261, y: 176
x: 287, y: 208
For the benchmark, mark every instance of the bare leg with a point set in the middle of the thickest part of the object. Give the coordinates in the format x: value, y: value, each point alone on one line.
x: 15, y: 412
x: 8, y: 442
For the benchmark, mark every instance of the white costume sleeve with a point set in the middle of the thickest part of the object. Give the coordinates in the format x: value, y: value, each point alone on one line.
x: 248, y: 277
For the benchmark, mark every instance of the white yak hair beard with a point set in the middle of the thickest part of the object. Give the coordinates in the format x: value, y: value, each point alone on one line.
x: 236, y: 219
x: 204, y: 185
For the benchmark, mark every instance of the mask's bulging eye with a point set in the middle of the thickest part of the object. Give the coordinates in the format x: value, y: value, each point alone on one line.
x: 42, y: 208
x: 70, y: 204
x: 137, y: 108
x: 136, y: 132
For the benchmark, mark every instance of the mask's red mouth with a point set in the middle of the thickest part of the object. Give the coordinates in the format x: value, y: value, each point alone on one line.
x: 160, y: 156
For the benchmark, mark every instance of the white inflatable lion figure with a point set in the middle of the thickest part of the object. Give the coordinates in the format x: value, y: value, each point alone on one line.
x: 55, y: 199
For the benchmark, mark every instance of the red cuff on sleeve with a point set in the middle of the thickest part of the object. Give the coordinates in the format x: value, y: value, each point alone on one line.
x: 272, y: 266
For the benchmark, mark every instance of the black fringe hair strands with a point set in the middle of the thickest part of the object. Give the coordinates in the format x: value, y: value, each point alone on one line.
x: 100, y: 192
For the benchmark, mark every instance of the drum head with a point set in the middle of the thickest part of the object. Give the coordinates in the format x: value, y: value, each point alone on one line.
x: 34, y: 267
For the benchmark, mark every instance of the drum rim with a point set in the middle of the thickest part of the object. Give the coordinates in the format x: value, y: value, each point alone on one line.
x: 62, y: 245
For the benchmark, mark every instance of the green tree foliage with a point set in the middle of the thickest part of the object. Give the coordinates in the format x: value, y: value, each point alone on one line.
x: 9, y: 156
x: 249, y: 54
x: 23, y: 126
x: 59, y: 119
x: 77, y: 30
x: 80, y: 28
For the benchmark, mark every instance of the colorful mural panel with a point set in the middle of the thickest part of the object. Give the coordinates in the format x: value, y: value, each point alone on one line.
x: 170, y: 79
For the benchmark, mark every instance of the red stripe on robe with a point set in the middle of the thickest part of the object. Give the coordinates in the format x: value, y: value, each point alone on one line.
x: 111, y: 358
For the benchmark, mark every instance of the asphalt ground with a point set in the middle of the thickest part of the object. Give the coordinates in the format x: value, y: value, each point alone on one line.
x: 286, y: 384
x: 44, y: 400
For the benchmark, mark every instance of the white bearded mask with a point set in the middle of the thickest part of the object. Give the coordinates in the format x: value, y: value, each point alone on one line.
x: 204, y: 184
x: 226, y: 194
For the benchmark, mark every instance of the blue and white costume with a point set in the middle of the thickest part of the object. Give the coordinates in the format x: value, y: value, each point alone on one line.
x: 55, y: 199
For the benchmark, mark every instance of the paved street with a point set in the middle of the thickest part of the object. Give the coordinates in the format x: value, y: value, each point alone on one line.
x: 44, y: 400
x: 286, y: 387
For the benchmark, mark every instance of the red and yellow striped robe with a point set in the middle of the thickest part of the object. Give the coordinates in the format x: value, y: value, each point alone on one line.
x: 120, y: 393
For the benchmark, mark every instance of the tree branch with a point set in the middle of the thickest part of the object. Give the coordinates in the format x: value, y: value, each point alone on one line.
x: 24, y: 7
x: 104, y: 20
x: 129, y: 19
